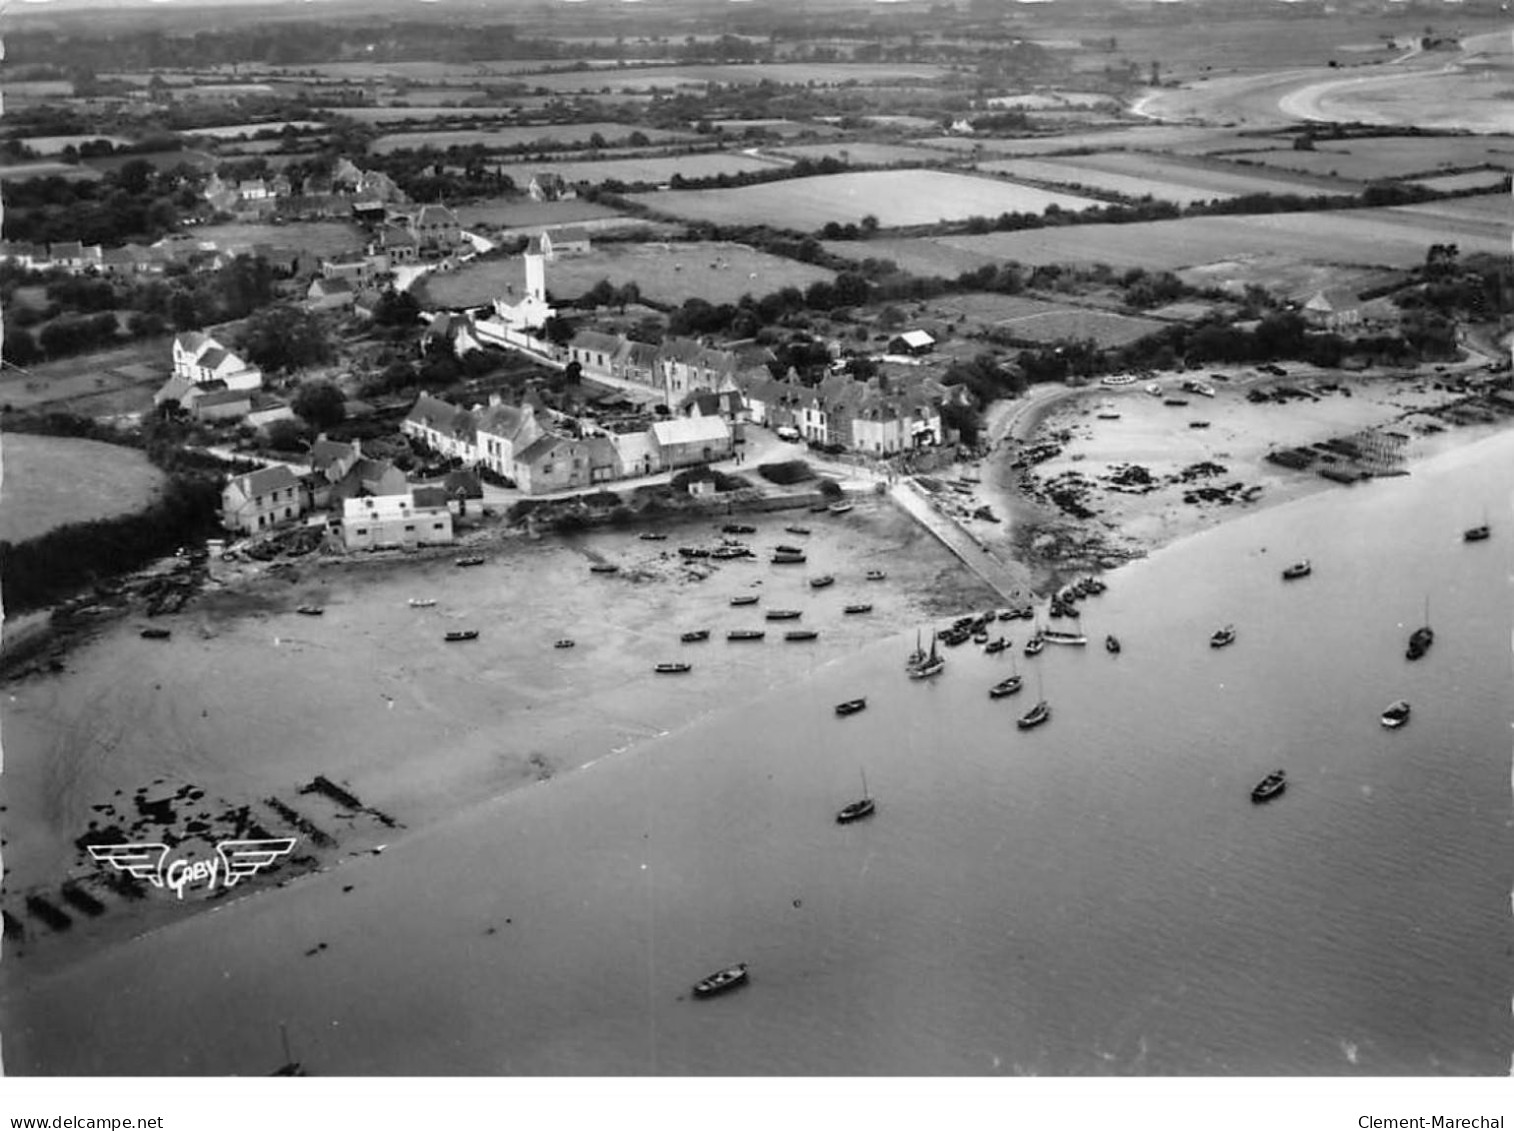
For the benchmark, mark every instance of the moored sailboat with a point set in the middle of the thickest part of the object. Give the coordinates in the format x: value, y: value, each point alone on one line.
x: 931, y: 665
x: 856, y: 810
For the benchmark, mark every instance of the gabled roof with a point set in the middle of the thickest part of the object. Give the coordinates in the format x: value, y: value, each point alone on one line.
x: 264, y: 480
x: 640, y: 354
x: 690, y: 430
x: 916, y: 339
x: 324, y: 453
x: 212, y: 357
x: 441, y: 416
x: 568, y: 235
x: 435, y: 214
x: 595, y: 341
x: 502, y: 420
x: 537, y: 449
x: 223, y: 396
x: 190, y: 341
x: 429, y: 496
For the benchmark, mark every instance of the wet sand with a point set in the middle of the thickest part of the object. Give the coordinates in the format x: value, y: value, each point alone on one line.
x: 250, y: 700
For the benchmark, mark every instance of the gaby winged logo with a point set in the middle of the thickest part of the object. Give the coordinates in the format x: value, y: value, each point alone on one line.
x: 238, y: 859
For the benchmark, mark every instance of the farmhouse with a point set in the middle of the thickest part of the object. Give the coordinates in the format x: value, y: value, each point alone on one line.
x: 1333, y: 310
x: 550, y: 186
x: 261, y: 499
x: 393, y: 520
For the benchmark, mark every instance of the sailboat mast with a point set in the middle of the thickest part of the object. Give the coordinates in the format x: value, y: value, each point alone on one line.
x: 864, y: 784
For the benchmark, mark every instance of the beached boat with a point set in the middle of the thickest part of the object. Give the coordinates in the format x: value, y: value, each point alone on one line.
x: 980, y: 637
x: 721, y: 980
x: 311, y: 610
x: 1056, y: 636
x: 653, y: 536
x: 1300, y: 568
x: 563, y: 643
x: 693, y: 552
x: 822, y: 581
x: 1010, y: 685
x: 475, y: 560
x: 788, y: 559
x: 783, y: 549
x: 461, y: 634
x: 673, y: 669
x: 876, y: 575
x: 1223, y: 637
x: 1396, y: 715
x: 604, y: 567
x: 745, y: 634
x: 156, y: 634
x: 851, y: 706
x: 729, y: 553
x: 421, y: 602
x: 858, y: 609
x: 994, y: 647
x: 1034, y: 717
x: 856, y: 810
x: 797, y: 529
x: 737, y: 528
x: 1112, y: 644
x: 1269, y: 787
x: 840, y: 508
x: 696, y: 637
x: 750, y: 599
x: 784, y: 614
x: 801, y: 634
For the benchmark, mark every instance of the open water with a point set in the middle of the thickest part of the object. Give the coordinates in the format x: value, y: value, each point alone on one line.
x: 1098, y: 896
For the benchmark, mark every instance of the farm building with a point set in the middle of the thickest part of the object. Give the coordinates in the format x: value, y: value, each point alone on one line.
x: 393, y: 520
x: 550, y: 186
x: 329, y: 294
x: 681, y: 443
x: 1333, y: 310
x: 912, y: 342
x: 565, y: 241
x: 261, y: 499
x: 221, y: 404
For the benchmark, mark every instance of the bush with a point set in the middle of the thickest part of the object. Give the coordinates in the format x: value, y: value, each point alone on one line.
x: 571, y: 522
x: 830, y: 489
x: 601, y: 500
x: 787, y: 472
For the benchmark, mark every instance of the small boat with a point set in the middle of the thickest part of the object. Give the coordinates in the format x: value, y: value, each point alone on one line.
x: 1269, y: 787
x: 839, y: 508
x: 563, y: 643
x: 784, y: 614
x: 918, y: 656
x: 781, y: 549
x: 673, y: 669
x: 1007, y: 686
x: 851, y: 706
x: 857, y: 809
x: 691, y: 552
x: 751, y: 599
x: 820, y: 508
x: 475, y: 560
x: 1396, y: 715
x: 745, y: 634
x: 980, y: 637
x: 1034, y: 645
x: 788, y: 559
x: 653, y: 536
x: 721, y: 980
x: 1034, y: 717
x: 461, y: 634
x: 1421, y: 638
x: 737, y: 528
x: 728, y: 553
x: 858, y: 609
x: 156, y: 634
x: 994, y: 647
x: 1056, y: 636
x: 604, y: 567
x: 876, y: 575
x: 1223, y: 637
x: 1300, y: 568
x: 310, y: 610
x: 1477, y: 533
x: 696, y: 637
x: 797, y: 529
x: 1006, y: 614
x: 822, y: 581
x: 933, y: 664
x: 422, y: 602
x: 801, y: 634
x: 1112, y: 645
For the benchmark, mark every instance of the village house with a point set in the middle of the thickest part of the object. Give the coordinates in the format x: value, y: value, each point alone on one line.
x: 564, y: 241
x: 503, y: 430
x: 553, y: 463
x: 220, y: 404
x: 329, y: 294
x: 458, y: 331
x: 636, y: 453
x: 435, y: 228
x: 688, y: 366
x: 397, y: 244
x: 199, y: 358
x: 445, y: 429
x: 392, y: 521
x: 261, y: 499
x: 638, y: 362
x: 688, y: 441
x: 1333, y: 310
x: 912, y: 343
x: 730, y: 406
x: 595, y: 352
x: 550, y: 186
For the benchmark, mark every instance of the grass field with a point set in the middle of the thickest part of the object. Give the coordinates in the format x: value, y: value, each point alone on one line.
x: 1186, y: 139
x: 666, y: 273
x: 389, y: 115
x: 1039, y: 320
x: 47, y: 146
x: 741, y: 74
x: 865, y: 153
x: 107, y: 383
x: 780, y: 126
x: 506, y: 137
x: 249, y: 129
x: 1388, y: 158
x: 1191, y: 175
x: 322, y: 237
x: 1074, y: 175
x: 914, y: 196
x: 52, y: 480
x: 643, y: 170
x: 1456, y: 182
x: 526, y: 213
x: 926, y: 257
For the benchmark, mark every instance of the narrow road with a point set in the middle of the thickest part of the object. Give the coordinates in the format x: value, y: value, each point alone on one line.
x: 995, y: 573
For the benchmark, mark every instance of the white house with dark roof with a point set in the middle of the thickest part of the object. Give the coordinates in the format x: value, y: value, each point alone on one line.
x: 200, y: 358
x: 444, y: 428
x: 691, y: 440
x: 503, y: 430
x: 565, y: 241
x: 595, y: 352
x: 261, y: 499
x: 390, y: 521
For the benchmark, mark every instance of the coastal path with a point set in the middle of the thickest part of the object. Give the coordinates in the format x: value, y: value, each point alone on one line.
x: 969, y: 550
